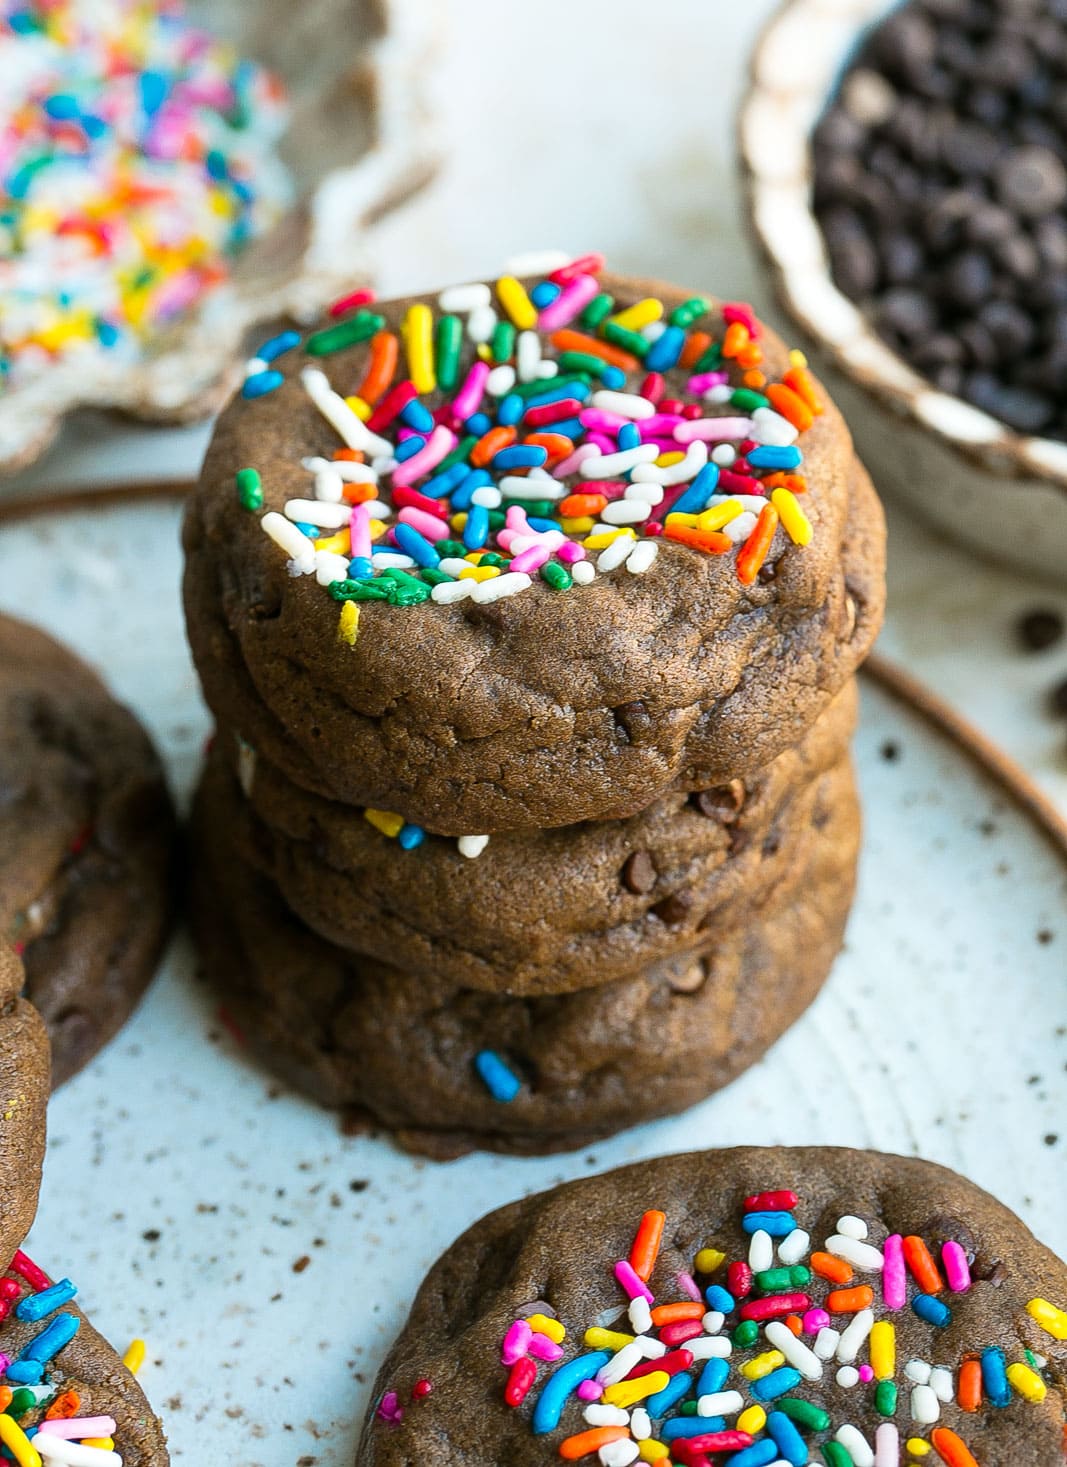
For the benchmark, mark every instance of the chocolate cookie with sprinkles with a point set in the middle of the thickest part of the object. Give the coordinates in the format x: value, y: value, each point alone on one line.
x: 24, y: 1086
x: 532, y: 552
x: 86, y: 844
x: 753, y: 1307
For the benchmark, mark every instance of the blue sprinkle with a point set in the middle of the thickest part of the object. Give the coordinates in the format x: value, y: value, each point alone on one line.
x: 785, y: 1378
x: 791, y: 1445
x: 476, y: 530
x: 272, y: 349
x: 93, y: 127
x: 520, y: 456
x: 51, y: 1340
x: 778, y: 1224
x: 154, y: 89
x: 664, y: 352
x: 578, y: 390
x: 410, y: 836
x: 569, y: 427
x: 535, y: 522
x: 760, y: 1454
x: 932, y: 1310
x: 478, y: 424
x: 713, y: 1377
x: 215, y: 163
x: 613, y: 378
x: 695, y: 499
x: 409, y: 448
x: 661, y: 1402
x: 36, y: 1306
x: 311, y: 531
x: 544, y: 293
x: 63, y: 107
x: 629, y: 436
x: 771, y: 456
x: 682, y: 1426
x: 106, y: 333
x: 560, y: 1385
x: 719, y: 1298
x: 441, y: 485
x: 501, y: 1083
x: 418, y: 416
x: 261, y: 383
x: 473, y: 479
x: 995, y: 1377
x: 360, y: 567
x: 510, y: 410
x: 412, y: 543
x: 25, y: 1372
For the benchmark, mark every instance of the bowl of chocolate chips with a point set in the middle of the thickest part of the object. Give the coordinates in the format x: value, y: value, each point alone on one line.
x: 905, y: 168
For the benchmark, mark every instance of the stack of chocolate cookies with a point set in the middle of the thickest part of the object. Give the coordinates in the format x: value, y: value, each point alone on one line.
x: 529, y: 615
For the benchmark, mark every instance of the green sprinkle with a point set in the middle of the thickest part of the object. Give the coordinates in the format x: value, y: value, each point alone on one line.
x: 462, y: 450
x: 781, y: 1280
x: 600, y: 306
x: 688, y: 1408
x: 885, y: 1398
x: 434, y: 577
x: 690, y: 311
x: 744, y: 397
x: 249, y: 489
x: 502, y: 342
x: 711, y: 359
x: 746, y: 1334
x: 836, y: 1455
x: 631, y: 341
x: 451, y: 548
x: 542, y: 507
x: 557, y: 576
x: 21, y: 1402
x: 360, y: 591
x: 804, y: 1413
x: 360, y: 327
x: 491, y: 558
x: 549, y: 384
x: 497, y: 520
x: 448, y: 344
x: 406, y: 586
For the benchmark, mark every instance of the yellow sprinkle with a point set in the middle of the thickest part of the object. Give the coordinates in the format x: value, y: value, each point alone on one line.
x: 336, y: 544
x: 752, y: 1420
x: 485, y: 351
x: 639, y: 315
x: 1052, y: 1320
x: 576, y: 524
x: 1028, y: 1383
x: 605, y: 1339
x: 475, y: 556
x: 385, y: 821
x: 134, y: 1356
x: 917, y: 1447
x: 672, y: 456
x: 376, y: 529
x: 883, y: 1348
x: 516, y: 302
x: 688, y: 520
x: 361, y: 409
x: 709, y: 1259
x: 629, y: 1392
x: 651, y: 1450
x: 795, y: 522
x: 22, y: 1449
x: 762, y: 1365
x: 417, y: 331
x: 457, y: 521
x: 718, y: 515
x: 479, y: 572
x: 797, y: 358
x: 603, y: 538
x: 348, y: 623
x: 105, y: 1443
x: 542, y: 1325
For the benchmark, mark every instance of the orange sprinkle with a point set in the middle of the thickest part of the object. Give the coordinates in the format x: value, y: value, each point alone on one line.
x: 557, y: 445
x: 577, y: 505
x: 578, y: 341
x: 360, y: 493
x: 829, y: 1267
x: 735, y: 340
x: 791, y: 406
x: 645, y: 1249
x: 709, y: 540
x: 952, y: 1450
x: 803, y: 384
x: 64, y: 1407
x: 6, y: 1394
x: 849, y: 1301
x: 920, y: 1260
x: 794, y: 1324
x: 349, y: 456
x: 381, y: 369
x: 696, y: 344
x: 969, y: 1389
x: 674, y: 1313
x: 795, y: 483
x: 588, y: 1442
x: 491, y: 443
x: 754, y: 551
x: 754, y: 379
x: 750, y: 356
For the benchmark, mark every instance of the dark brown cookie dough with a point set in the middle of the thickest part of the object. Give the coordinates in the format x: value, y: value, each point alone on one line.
x: 86, y: 844
x: 24, y: 1086
x: 546, y: 708
x: 86, y: 1378
x: 555, y: 1253
x: 538, y: 912
x: 400, y: 1047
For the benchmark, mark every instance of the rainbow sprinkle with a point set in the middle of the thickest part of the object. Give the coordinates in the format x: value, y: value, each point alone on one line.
x: 739, y: 1363
x: 533, y: 433
x: 136, y: 159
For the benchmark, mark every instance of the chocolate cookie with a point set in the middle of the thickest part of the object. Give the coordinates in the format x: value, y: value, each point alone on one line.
x: 565, y: 675
x: 449, y: 1068
x: 543, y: 911
x: 788, y: 1306
x: 86, y: 844
x: 65, y: 1383
x: 24, y: 1077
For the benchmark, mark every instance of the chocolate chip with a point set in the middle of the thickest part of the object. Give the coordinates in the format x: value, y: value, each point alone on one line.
x: 639, y: 874
x: 989, y: 1270
x: 723, y: 803
x: 1039, y: 629
x: 673, y: 909
x: 1057, y: 699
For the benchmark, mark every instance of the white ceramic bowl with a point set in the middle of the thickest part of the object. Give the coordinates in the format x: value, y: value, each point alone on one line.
x: 1000, y: 492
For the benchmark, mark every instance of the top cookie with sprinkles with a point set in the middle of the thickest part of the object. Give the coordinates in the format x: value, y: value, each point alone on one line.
x: 529, y: 552
x: 760, y: 1307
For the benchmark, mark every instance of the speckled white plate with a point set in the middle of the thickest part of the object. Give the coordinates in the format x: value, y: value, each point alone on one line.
x: 268, y: 1261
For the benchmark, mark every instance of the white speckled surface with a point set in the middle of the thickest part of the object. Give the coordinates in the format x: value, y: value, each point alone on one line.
x: 181, y: 1188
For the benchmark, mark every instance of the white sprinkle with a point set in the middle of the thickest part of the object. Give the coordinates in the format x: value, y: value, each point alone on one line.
x: 459, y: 299
x: 642, y: 557
x: 651, y: 1348
x: 537, y: 262
x: 614, y: 554
x: 887, y: 1445
x: 378, y: 510
x: 720, y: 1403
x: 855, y: 1444
x: 481, y: 324
x: 650, y: 493
x: 925, y: 1407
x: 582, y: 572
x: 448, y: 592
x: 626, y: 512
x: 514, y: 486
x: 509, y: 584
x: 293, y: 541
x: 500, y: 380
x: 696, y: 456
x: 330, y: 567
x: 606, y: 1415
x: 854, y: 1336
x: 861, y: 1255
x: 255, y: 365
x: 611, y: 465
x: 640, y: 1315
x: 452, y: 565
x: 852, y: 1227
x: 640, y: 1424
x: 770, y: 427
x: 329, y: 486
x: 620, y: 1364
x: 528, y: 355
x: 753, y: 502
x: 547, y: 369
x: 713, y: 1321
x: 941, y: 1383
x: 392, y: 559
x: 760, y: 1251
x: 619, y: 1454
x: 74, y: 1454
x: 710, y: 1347
x: 314, y: 512
x: 383, y: 463
x: 796, y: 1352
x: 826, y: 1343
x: 720, y: 393
x: 246, y: 764
x: 300, y: 567
x: 339, y: 415
x: 472, y: 845
x: 724, y: 454
x: 487, y: 496
x: 626, y: 404
x: 918, y: 1371
x: 847, y: 1377
x: 654, y: 330
x: 793, y: 1247
x: 740, y: 527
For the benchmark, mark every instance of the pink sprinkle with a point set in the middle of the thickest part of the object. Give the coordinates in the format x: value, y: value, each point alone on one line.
x: 441, y: 442
x: 426, y: 524
x: 894, y: 1278
x: 688, y: 1285
x: 389, y: 1408
x: 610, y: 488
x: 866, y: 1373
x: 636, y: 1288
x: 730, y: 483
x: 957, y: 1269
x: 604, y: 443
x: 359, y: 544
x: 25, y: 1267
x: 468, y: 398
x: 583, y: 265
x: 73, y: 1428
x: 530, y: 560
x: 571, y: 301
x: 338, y: 308
x: 705, y: 381
x: 712, y: 430
x: 516, y: 1342
x: 743, y: 312
x: 600, y: 421
x: 570, y: 552
x: 570, y: 464
x: 542, y: 1348
x: 815, y: 1320
x: 659, y: 425
x: 588, y: 1390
